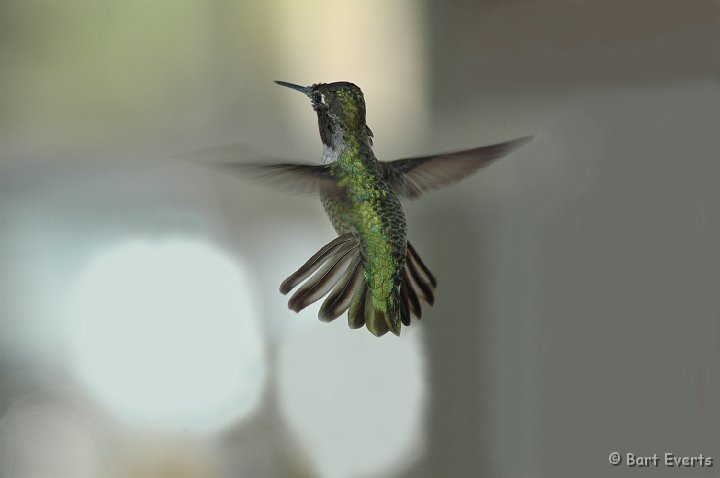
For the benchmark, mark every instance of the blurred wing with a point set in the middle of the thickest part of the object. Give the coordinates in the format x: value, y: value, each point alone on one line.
x: 411, y: 177
x: 291, y: 177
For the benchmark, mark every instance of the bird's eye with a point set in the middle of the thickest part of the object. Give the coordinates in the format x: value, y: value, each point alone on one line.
x: 318, y: 98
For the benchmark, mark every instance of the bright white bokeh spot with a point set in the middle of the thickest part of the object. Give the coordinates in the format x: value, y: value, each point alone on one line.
x: 354, y: 401
x: 165, y: 333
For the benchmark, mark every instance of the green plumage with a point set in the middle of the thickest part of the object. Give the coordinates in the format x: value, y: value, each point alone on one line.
x: 372, y: 213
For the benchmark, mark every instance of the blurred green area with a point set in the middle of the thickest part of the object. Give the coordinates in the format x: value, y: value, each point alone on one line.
x: 79, y: 74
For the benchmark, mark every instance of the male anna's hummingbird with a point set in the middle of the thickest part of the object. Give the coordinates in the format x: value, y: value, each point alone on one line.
x: 370, y: 270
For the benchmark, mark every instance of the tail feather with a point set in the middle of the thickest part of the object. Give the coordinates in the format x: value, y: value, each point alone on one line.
x: 421, y: 265
x: 324, y: 279
x: 337, y: 270
x: 313, y: 263
x: 339, y: 300
x: 409, y: 289
x: 375, y: 319
x: 422, y: 281
x: 404, y: 306
x: 356, y: 314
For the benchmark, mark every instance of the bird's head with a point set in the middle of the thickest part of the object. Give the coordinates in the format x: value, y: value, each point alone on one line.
x: 340, y: 108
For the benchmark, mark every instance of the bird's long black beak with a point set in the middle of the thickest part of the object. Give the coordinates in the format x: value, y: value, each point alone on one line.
x: 301, y: 89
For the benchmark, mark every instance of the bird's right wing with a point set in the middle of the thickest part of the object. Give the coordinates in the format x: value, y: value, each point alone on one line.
x: 292, y: 177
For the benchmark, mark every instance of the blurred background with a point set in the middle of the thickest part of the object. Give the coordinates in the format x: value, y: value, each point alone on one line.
x: 143, y: 334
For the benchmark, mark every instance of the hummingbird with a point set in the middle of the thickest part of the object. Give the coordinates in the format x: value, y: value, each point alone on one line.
x: 370, y: 270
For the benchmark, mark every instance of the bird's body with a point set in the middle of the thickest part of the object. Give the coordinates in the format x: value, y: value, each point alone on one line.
x: 372, y: 213
x: 371, y: 269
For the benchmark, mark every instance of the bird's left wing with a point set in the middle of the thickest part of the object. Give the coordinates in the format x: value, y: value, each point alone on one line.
x: 411, y: 177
